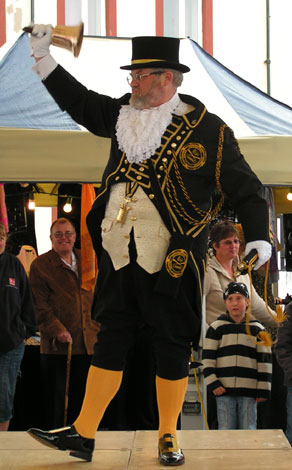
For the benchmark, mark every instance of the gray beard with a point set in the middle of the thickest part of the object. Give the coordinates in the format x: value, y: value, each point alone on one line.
x: 138, y: 102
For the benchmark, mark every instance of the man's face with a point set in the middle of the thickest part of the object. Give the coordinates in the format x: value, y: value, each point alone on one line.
x: 147, y: 92
x: 236, y: 305
x: 63, y: 238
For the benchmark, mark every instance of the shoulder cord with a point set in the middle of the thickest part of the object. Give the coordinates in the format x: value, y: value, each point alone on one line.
x: 210, y: 214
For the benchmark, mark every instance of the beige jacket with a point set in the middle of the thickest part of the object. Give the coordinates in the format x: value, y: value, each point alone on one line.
x: 216, y: 280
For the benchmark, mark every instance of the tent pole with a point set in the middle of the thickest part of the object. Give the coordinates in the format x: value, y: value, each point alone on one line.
x: 32, y: 11
x: 268, y: 59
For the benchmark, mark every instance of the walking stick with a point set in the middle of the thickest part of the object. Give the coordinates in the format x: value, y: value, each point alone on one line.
x: 69, y: 354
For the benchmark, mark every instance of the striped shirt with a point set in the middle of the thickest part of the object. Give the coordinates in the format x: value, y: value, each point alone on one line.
x: 236, y: 361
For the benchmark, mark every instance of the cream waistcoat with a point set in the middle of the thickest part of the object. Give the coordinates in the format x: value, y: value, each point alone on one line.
x: 150, y: 234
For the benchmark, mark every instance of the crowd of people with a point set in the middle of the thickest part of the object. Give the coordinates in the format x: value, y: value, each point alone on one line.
x: 149, y: 228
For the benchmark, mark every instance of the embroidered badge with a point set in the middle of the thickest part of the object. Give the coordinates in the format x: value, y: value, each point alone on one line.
x: 12, y: 281
x: 193, y: 156
x: 176, y: 262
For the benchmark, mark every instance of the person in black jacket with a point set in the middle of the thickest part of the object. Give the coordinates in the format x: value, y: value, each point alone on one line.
x: 17, y: 323
x: 283, y: 352
x: 149, y: 224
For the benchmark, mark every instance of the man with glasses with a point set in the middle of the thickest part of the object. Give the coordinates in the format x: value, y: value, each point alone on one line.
x: 148, y: 224
x: 63, y: 318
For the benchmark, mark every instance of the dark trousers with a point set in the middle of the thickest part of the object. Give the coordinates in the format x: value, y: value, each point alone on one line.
x: 126, y: 301
x: 272, y: 413
x: 53, y: 381
x: 212, y: 411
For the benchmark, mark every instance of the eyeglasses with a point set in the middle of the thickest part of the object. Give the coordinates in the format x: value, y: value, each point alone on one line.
x: 66, y: 234
x: 139, y: 76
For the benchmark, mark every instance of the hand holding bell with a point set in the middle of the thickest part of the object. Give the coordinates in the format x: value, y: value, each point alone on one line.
x: 67, y: 37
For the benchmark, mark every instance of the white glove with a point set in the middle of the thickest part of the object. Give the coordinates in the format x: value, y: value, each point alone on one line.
x: 40, y: 40
x: 264, y: 250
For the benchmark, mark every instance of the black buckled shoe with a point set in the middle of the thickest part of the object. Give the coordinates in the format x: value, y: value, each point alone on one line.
x: 169, y: 452
x: 65, y: 439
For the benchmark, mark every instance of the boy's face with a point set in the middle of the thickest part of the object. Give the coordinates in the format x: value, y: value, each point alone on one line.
x: 236, y: 305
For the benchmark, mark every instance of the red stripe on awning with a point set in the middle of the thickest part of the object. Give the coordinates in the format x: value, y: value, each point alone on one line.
x: 2, y: 23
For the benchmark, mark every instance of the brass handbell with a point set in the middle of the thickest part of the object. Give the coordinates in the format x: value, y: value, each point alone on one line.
x: 67, y: 37
x: 247, y: 263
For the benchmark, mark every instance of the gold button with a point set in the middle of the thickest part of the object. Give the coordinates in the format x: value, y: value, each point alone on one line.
x: 126, y: 161
x: 158, y: 176
x: 123, y: 170
x: 178, y: 137
x: 183, y: 132
x: 117, y: 178
x: 144, y: 161
x: 161, y: 167
x: 187, y: 128
x: 173, y: 145
x: 165, y: 159
x: 134, y: 199
x: 133, y: 218
x: 139, y: 177
x: 151, y: 196
x: 168, y: 153
x: 141, y: 168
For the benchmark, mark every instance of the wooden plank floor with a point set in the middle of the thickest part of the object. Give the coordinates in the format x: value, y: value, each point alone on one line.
x: 204, y: 450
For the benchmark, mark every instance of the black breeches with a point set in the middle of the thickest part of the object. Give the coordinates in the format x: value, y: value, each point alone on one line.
x: 125, y: 301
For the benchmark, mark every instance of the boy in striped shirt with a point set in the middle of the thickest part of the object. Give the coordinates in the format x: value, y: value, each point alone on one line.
x: 237, y: 366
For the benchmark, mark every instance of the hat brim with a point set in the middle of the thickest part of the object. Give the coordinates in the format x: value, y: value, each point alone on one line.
x: 157, y: 65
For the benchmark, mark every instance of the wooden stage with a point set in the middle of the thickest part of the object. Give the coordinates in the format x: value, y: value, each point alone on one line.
x: 204, y: 450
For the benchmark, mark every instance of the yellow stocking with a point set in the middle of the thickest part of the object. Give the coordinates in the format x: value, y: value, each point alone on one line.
x: 101, y: 387
x: 170, y: 398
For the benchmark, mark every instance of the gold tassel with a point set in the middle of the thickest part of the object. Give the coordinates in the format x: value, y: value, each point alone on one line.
x: 281, y: 315
x: 265, y: 339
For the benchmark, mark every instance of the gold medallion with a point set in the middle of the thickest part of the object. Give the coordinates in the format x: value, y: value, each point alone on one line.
x: 193, y: 156
x: 176, y: 262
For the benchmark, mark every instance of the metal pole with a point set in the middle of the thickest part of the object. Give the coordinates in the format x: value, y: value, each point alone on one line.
x: 268, y: 59
x: 32, y: 11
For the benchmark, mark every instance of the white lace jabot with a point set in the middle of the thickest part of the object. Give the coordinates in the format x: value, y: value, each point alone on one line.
x: 139, y: 131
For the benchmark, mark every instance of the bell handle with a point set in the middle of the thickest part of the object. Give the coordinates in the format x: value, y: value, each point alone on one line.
x: 27, y: 29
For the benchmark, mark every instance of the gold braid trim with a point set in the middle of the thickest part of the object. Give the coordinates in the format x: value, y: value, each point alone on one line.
x: 211, y: 213
x: 219, y: 162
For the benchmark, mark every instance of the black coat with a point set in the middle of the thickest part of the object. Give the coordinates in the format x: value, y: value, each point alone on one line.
x: 16, y: 305
x: 198, y: 155
x: 283, y: 347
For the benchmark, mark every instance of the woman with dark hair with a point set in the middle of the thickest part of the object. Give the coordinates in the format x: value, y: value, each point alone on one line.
x: 17, y: 323
x: 221, y: 270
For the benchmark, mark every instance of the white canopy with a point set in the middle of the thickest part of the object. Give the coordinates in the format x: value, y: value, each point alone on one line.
x: 62, y: 156
x: 36, y: 145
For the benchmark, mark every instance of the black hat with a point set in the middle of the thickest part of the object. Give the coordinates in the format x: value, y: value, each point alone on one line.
x: 236, y: 288
x: 155, y: 52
